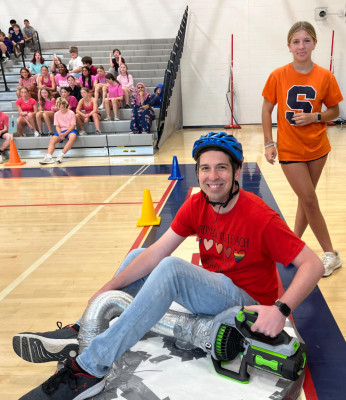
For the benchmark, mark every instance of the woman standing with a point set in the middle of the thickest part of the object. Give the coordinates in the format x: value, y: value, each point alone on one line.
x: 46, y: 110
x: 300, y: 89
x: 126, y: 81
x: 87, y: 104
x: 27, y: 109
x: 142, y: 114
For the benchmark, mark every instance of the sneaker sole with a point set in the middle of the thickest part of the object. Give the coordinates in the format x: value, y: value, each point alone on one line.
x: 93, y: 391
x: 37, y: 349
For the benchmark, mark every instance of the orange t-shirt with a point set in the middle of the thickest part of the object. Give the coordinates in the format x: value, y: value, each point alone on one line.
x: 295, y: 92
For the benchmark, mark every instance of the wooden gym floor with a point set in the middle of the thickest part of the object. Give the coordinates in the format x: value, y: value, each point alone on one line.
x: 66, y: 228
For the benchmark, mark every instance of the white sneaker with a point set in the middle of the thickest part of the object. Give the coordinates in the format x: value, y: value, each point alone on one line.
x: 101, y: 107
x: 331, y: 261
x: 47, y: 160
x: 82, y: 133
x: 37, y: 134
x: 4, y: 59
x: 107, y: 119
x: 1, y: 159
x: 116, y: 118
x: 59, y: 158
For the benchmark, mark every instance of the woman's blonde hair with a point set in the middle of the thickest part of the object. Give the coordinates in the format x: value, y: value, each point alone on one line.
x: 301, y: 26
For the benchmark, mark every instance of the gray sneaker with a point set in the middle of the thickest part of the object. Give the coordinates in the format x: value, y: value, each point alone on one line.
x: 97, y: 132
x: 59, y: 158
x: 331, y: 261
x: 47, y: 160
x: 47, y: 346
x: 82, y: 133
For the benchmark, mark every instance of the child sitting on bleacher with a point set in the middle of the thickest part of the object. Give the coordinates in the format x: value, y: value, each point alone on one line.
x: 74, y: 88
x: 126, y: 81
x: 75, y: 64
x: 27, y: 109
x: 115, y: 97
x: 87, y: 111
x: 6, y: 47
x: 27, y: 81
x: 115, y: 60
x: 17, y: 40
x: 45, y: 110
x: 4, y: 134
x: 156, y: 99
x: 36, y: 63
x: 61, y: 77
x: 65, y: 93
x: 100, y: 85
x: 54, y: 68
x: 65, y: 124
x: 88, y: 62
x: 142, y: 115
x: 46, y: 80
x: 87, y: 80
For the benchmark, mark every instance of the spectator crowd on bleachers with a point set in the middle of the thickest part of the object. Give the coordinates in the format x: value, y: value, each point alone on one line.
x: 44, y: 90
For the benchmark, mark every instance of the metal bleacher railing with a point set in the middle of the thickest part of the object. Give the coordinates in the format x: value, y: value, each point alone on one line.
x: 23, y: 61
x: 171, y: 73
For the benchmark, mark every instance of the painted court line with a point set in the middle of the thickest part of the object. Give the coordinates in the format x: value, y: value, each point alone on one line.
x: 61, y: 242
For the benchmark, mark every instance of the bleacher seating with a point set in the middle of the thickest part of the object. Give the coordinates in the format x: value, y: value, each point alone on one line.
x: 146, y: 60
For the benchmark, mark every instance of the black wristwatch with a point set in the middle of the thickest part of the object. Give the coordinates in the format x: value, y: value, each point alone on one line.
x: 283, y: 307
x: 318, y: 117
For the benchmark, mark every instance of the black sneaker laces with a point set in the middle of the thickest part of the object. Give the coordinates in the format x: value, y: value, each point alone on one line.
x: 65, y: 375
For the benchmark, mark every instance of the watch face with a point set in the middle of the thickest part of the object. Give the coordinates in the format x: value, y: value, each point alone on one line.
x: 285, y: 310
x: 319, y: 116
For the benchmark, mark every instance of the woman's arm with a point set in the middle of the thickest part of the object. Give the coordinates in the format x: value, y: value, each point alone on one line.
x: 329, y: 114
x: 270, y: 149
x: 79, y: 108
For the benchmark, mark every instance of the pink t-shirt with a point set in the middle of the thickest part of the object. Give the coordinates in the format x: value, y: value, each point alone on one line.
x: 61, y: 80
x: 115, y: 91
x: 86, y: 84
x: 49, y: 104
x: 73, y: 103
x: 27, y: 82
x: 126, y: 82
x: 101, y: 79
x: 3, y: 120
x: 26, y: 106
x: 65, y: 121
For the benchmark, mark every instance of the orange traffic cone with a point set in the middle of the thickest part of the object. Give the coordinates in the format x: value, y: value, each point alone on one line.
x: 14, y: 157
x: 148, y: 216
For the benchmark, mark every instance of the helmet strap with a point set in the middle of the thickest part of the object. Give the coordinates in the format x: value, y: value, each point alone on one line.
x: 230, y: 197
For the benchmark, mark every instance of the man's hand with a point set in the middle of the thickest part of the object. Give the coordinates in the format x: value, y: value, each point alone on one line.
x: 270, y: 321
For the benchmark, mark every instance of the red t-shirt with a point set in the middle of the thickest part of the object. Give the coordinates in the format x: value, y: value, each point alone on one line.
x: 3, y: 120
x: 26, y: 106
x: 243, y: 244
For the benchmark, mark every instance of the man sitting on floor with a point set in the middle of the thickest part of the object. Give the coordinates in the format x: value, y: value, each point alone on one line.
x: 240, y: 241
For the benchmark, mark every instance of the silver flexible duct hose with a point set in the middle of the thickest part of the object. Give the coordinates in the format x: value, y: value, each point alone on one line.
x: 190, y: 328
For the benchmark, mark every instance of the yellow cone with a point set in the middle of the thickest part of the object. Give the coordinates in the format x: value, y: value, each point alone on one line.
x: 148, y: 216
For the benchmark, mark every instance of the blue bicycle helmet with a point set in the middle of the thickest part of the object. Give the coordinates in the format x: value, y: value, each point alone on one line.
x: 221, y: 141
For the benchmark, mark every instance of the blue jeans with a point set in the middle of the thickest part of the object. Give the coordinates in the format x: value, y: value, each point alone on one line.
x: 174, y: 279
